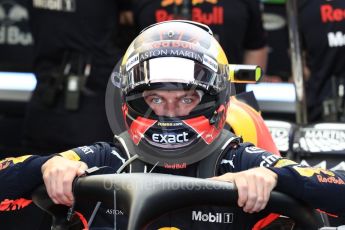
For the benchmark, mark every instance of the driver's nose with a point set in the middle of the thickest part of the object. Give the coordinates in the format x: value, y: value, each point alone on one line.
x: 171, y: 109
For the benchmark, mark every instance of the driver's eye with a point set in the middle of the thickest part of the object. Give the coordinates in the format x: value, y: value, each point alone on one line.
x: 187, y: 100
x: 157, y: 100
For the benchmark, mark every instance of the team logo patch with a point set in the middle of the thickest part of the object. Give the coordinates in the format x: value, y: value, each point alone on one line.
x: 86, y: 149
x: 253, y: 149
x: 4, y: 164
x: 71, y: 155
x: 284, y: 162
x: 309, y: 172
x: 12, y: 160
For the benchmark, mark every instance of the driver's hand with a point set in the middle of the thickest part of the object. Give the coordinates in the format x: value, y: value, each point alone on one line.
x: 58, y: 175
x: 254, y: 187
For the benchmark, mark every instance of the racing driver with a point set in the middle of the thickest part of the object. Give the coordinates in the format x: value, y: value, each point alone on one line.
x: 174, y: 82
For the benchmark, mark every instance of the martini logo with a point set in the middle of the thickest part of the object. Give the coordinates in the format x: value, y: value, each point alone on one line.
x: 170, y: 52
x: 13, y: 18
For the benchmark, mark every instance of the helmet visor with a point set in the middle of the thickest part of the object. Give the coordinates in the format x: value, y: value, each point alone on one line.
x: 208, y: 76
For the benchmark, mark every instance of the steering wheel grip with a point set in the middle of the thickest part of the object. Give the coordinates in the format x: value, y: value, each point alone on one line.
x: 147, y: 196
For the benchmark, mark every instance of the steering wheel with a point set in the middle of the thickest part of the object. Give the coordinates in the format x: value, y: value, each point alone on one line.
x: 141, y: 195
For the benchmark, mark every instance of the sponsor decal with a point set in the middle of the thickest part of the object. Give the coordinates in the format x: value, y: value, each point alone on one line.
x: 12, y: 18
x: 208, y: 61
x: 170, y: 138
x: 268, y: 160
x: 86, y: 149
x: 132, y: 61
x: 4, y: 164
x: 330, y: 14
x: 174, y: 44
x: 175, y: 166
x: 321, y: 140
x: 71, y: 155
x: 225, y: 218
x: 12, y: 205
x: 309, y: 172
x: 58, y: 5
x: 254, y: 149
x: 115, y: 153
x: 114, y: 212
x: 169, y: 124
x: 171, y: 52
x: 12, y: 160
x: 280, y: 137
x: 329, y: 180
x: 166, y: 3
x: 215, y: 17
x: 284, y: 162
x: 230, y: 162
x: 336, y: 39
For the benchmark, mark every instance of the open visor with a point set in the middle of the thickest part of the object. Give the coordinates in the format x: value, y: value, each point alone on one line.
x: 208, y: 76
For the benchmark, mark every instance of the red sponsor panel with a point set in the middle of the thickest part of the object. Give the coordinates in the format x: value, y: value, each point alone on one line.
x: 138, y: 128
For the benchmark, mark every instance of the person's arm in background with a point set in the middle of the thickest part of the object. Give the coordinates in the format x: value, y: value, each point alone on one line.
x: 255, y: 43
x: 256, y: 50
x: 256, y: 57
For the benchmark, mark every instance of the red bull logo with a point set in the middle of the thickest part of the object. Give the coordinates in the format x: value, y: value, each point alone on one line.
x: 330, y: 14
x: 166, y: 3
x: 175, y: 166
x: 330, y: 180
x: 213, y: 17
x: 174, y: 44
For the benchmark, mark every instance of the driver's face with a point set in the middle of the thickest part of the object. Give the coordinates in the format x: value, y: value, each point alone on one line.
x: 171, y: 103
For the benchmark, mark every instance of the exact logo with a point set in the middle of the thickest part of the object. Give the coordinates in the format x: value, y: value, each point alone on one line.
x: 170, y: 138
x: 217, y: 217
x: 12, y: 19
